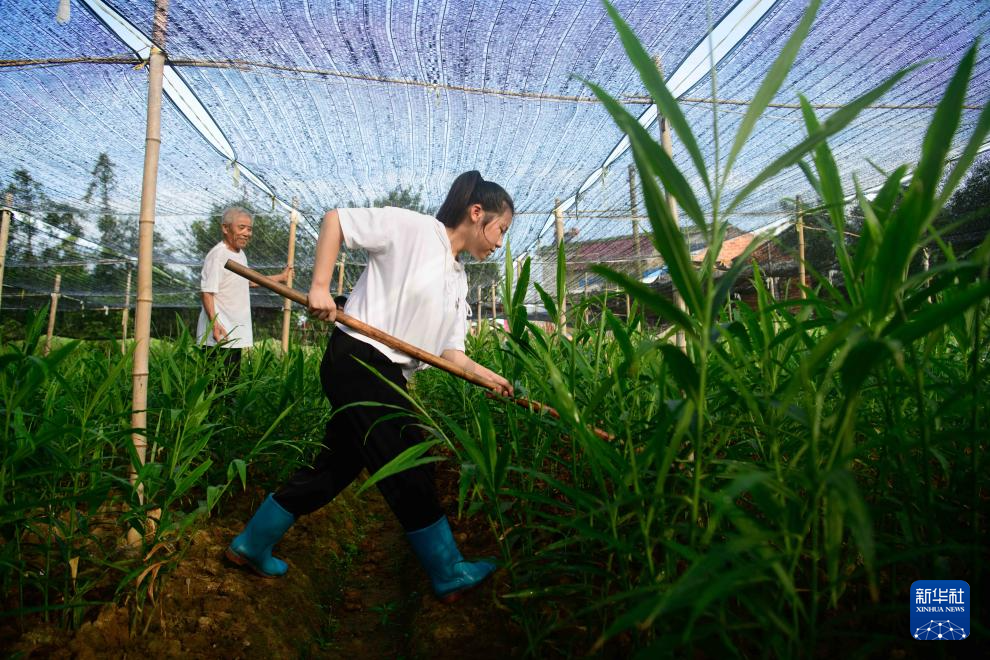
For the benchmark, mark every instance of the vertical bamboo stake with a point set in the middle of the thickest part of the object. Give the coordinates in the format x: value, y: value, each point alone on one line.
x: 668, y: 147
x: 51, y: 313
x: 634, y: 215
x: 800, y: 232
x: 494, y: 311
x: 584, y: 298
x: 287, y: 308
x: 558, y: 217
x: 127, y: 312
x: 146, y: 224
x: 6, y: 213
x: 340, y: 275
x: 479, y: 310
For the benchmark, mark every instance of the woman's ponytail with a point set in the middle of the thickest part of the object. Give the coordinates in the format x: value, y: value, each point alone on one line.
x: 469, y: 188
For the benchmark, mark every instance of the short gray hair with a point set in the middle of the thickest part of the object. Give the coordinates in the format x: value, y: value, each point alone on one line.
x: 232, y: 212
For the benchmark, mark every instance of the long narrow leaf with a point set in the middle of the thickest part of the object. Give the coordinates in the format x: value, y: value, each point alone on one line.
x: 771, y: 83
x: 660, y: 164
x: 666, y: 104
x: 835, y: 123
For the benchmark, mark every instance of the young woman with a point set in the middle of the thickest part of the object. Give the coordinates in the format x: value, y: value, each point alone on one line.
x: 414, y: 288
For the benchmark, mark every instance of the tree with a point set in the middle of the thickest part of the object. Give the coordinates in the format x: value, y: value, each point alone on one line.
x: 64, y: 250
x: 269, y: 243
x: 115, y: 238
x: 966, y: 217
x: 401, y: 197
x: 28, y: 198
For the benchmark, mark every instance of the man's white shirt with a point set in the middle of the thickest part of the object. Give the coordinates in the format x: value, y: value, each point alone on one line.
x: 231, y: 298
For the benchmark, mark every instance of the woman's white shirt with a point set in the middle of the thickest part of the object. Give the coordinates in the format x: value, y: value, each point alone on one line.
x: 412, y: 288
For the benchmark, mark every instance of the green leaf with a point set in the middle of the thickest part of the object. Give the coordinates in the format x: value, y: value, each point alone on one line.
x: 548, y: 301
x: 943, y: 126
x: 844, y: 488
x: 408, y: 459
x: 809, y: 174
x: 939, y: 315
x: 969, y: 153
x: 861, y: 359
x: 919, y: 205
x: 682, y: 369
x: 771, y: 83
x: 655, y: 160
x: 213, y: 494
x: 728, y: 280
x: 241, y: 467
x: 831, y: 194
x: 629, y: 364
x: 188, y: 479
x: 666, y: 103
x: 836, y: 122
x: 830, y: 183
x: 643, y: 294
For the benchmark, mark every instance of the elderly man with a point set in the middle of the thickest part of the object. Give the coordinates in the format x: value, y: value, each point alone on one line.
x: 225, y: 317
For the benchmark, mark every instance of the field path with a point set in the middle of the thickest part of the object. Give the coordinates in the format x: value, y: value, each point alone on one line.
x: 354, y: 590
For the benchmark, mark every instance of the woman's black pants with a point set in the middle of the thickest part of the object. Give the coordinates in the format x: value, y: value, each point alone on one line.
x: 364, y: 437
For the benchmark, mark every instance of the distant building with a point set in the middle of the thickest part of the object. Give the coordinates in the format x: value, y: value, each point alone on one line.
x: 619, y: 253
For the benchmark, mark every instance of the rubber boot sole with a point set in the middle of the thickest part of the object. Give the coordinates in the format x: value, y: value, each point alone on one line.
x: 238, y: 560
x: 455, y: 596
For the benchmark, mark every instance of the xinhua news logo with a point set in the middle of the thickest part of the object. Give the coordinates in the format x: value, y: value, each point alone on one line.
x: 940, y: 610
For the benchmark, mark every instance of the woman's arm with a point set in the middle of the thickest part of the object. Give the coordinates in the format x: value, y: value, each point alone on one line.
x: 321, y: 303
x: 464, y: 362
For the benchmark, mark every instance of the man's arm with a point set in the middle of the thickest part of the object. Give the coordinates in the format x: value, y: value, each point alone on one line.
x: 282, y: 278
x: 219, y: 332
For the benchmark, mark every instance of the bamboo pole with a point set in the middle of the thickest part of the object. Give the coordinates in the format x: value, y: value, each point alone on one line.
x: 340, y: 275
x: 6, y: 213
x: 51, y: 313
x: 287, y: 308
x: 634, y: 215
x: 127, y: 312
x: 146, y: 224
x: 558, y: 217
x: 396, y: 343
x: 494, y: 310
x: 799, y: 221
x: 479, y: 310
x: 667, y: 144
x: 584, y: 298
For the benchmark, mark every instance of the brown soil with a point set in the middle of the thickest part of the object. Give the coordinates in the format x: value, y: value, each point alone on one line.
x: 354, y: 590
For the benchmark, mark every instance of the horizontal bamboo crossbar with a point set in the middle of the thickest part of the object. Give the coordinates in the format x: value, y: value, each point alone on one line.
x: 246, y: 65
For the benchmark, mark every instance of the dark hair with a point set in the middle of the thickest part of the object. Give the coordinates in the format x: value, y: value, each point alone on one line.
x: 468, y: 189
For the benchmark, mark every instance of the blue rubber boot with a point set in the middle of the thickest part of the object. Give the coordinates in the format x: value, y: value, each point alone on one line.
x: 253, y: 546
x: 450, y: 574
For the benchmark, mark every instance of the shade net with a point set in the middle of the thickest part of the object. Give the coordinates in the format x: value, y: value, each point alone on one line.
x: 328, y: 104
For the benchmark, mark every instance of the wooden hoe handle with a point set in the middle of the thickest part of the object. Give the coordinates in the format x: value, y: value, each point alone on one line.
x: 394, y: 342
